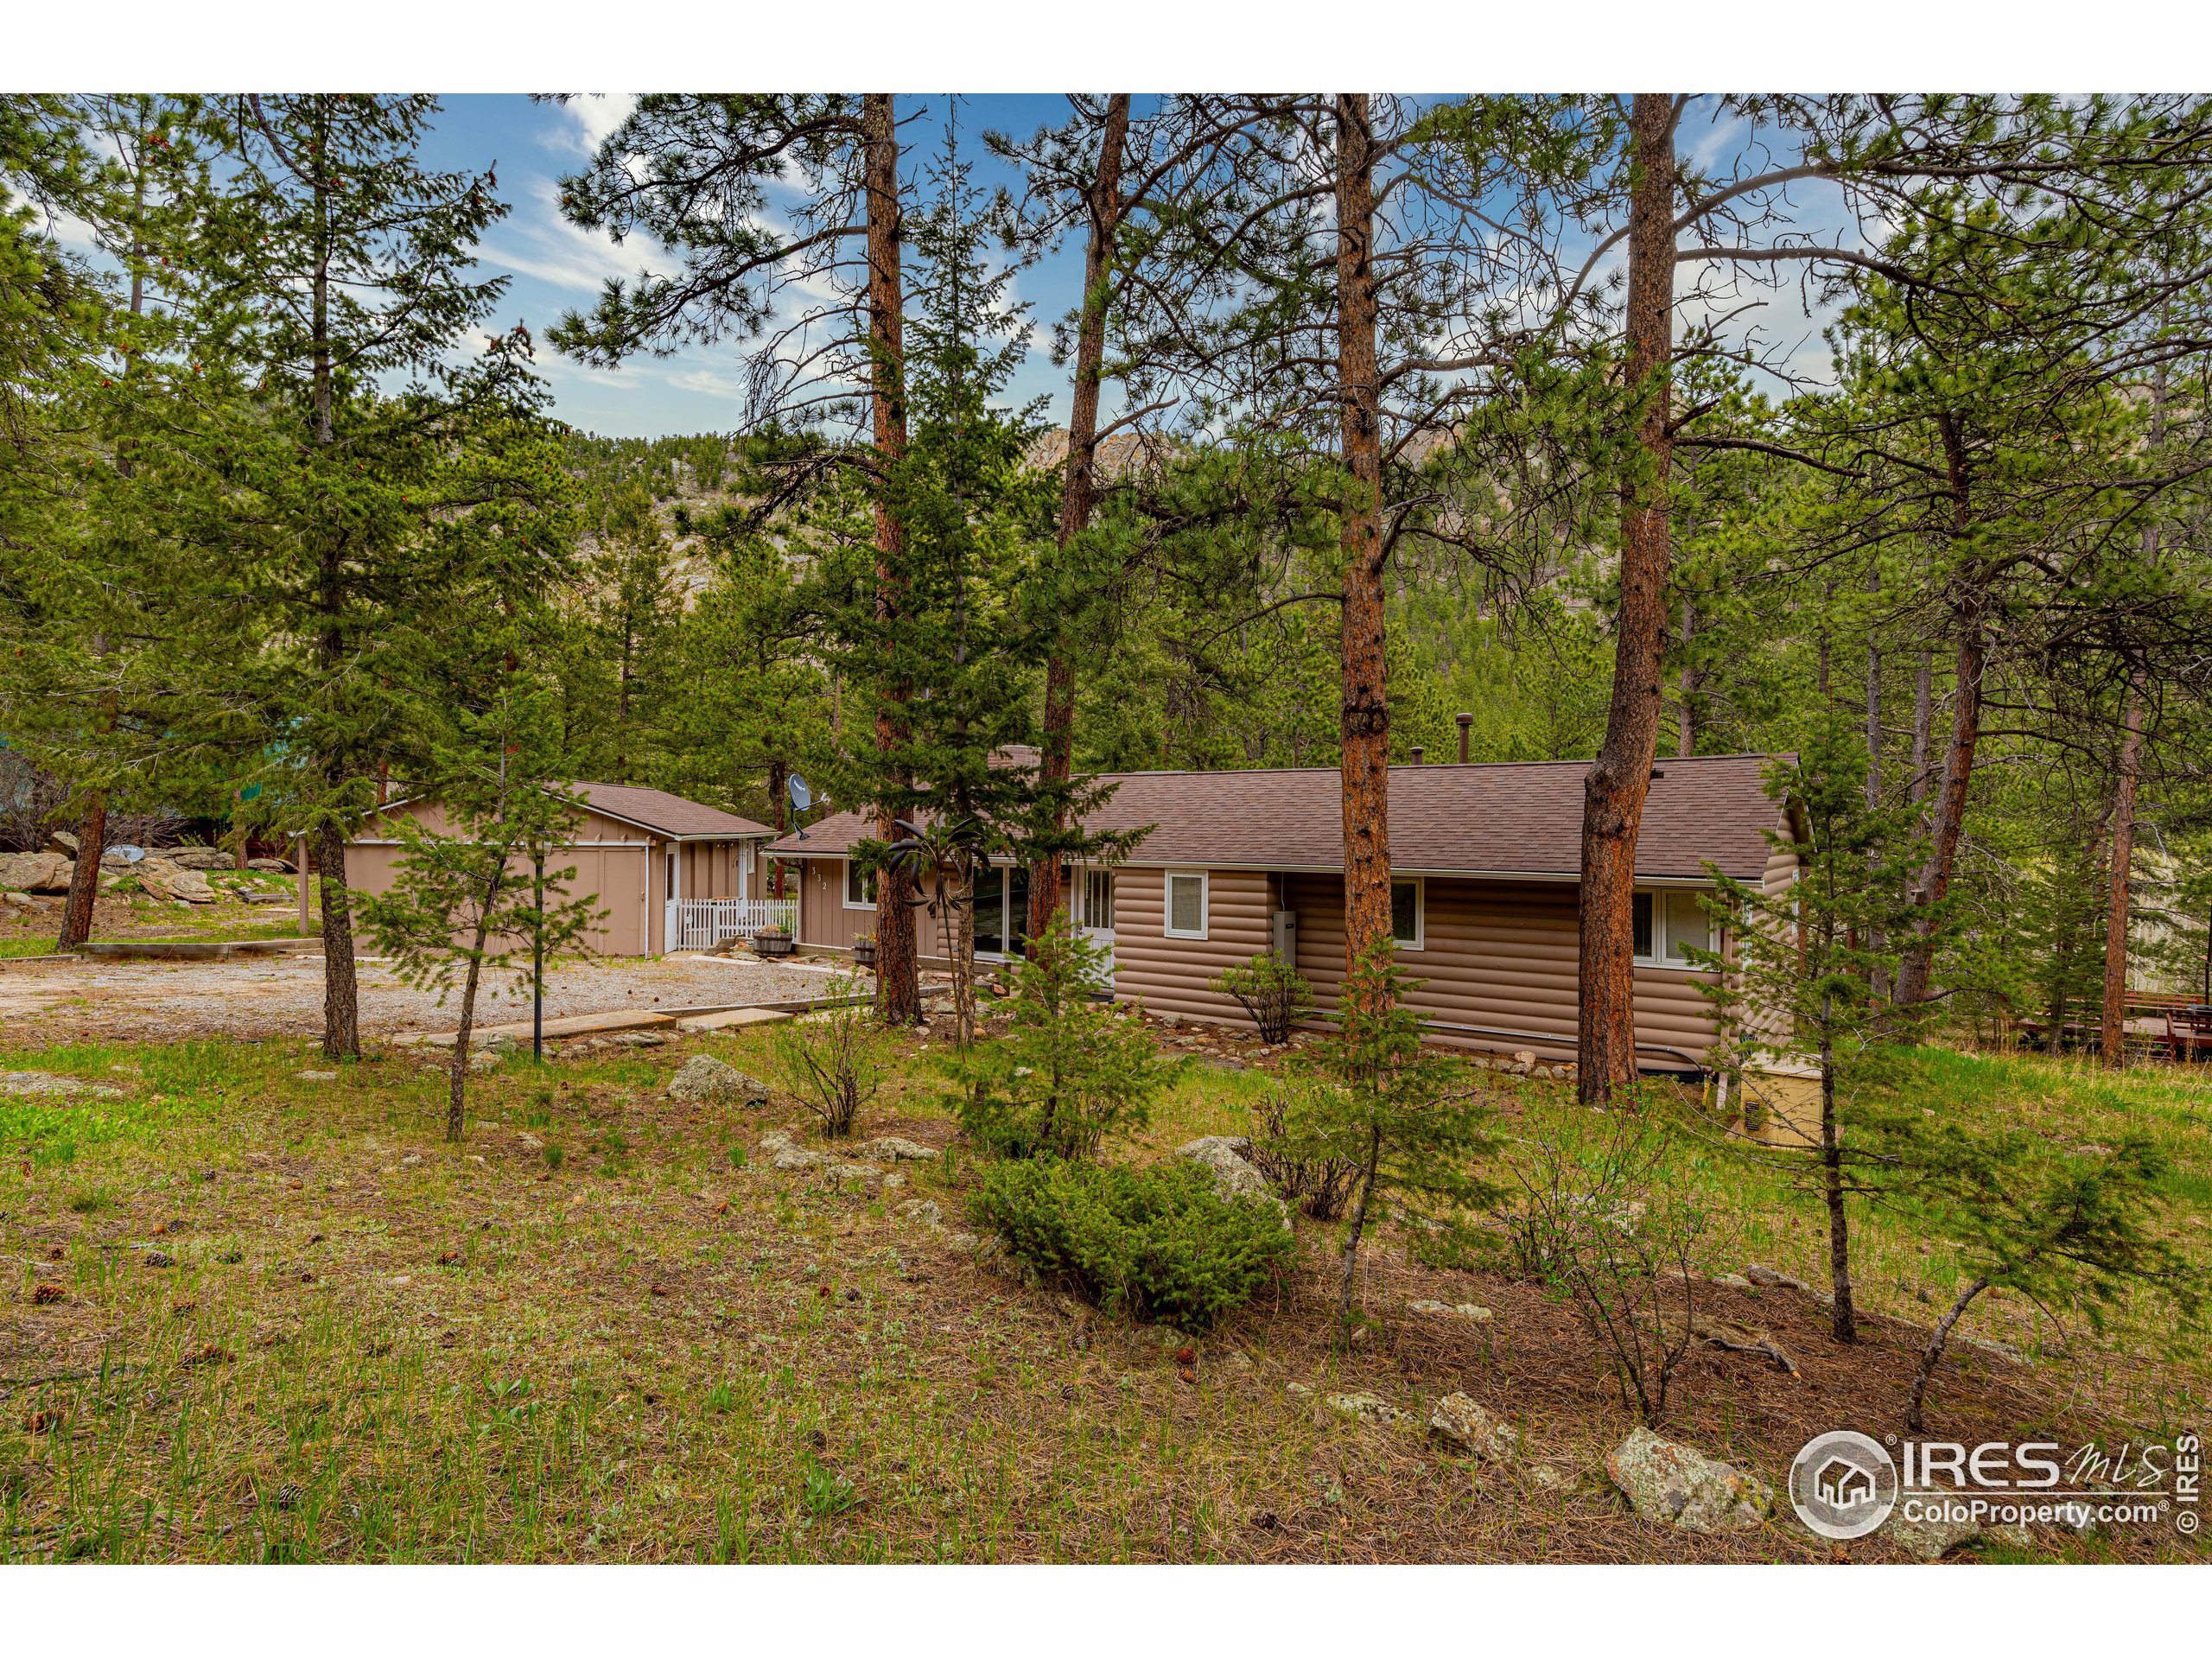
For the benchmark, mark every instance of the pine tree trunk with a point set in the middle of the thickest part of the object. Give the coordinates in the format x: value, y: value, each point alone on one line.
x: 341, y: 1013
x: 1948, y: 820
x: 1843, y: 1321
x: 1365, y: 719
x: 456, y: 1088
x: 1353, y: 1233
x: 341, y: 1017
x: 84, y: 875
x: 2113, y: 1045
x: 1932, y: 1355
x: 1950, y: 811
x: 1878, y: 977
x: 1685, y: 733
x: 1924, y: 723
x: 778, y: 805
x: 963, y: 959
x: 897, y: 986
x: 1614, y: 791
x: 1079, y: 483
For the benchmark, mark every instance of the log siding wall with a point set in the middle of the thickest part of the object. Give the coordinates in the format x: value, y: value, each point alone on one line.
x: 1496, y: 953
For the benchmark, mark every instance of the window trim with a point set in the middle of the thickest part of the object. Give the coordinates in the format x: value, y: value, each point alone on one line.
x: 1167, y: 879
x: 845, y: 888
x: 1715, y: 935
x: 1420, y: 940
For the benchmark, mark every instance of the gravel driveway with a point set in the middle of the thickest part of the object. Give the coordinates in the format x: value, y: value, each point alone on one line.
x: 251, y: 999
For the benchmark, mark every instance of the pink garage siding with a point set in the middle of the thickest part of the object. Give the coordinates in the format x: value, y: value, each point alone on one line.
x: 626, y: 865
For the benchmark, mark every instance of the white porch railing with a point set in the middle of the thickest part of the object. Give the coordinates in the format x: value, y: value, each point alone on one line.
x: 702, y: 924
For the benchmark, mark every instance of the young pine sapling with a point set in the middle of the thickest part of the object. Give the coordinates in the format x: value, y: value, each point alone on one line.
x: 1410, y: 1124
x: 462, y: 898
x: 1071, y: 1069
x: 1809, y: 960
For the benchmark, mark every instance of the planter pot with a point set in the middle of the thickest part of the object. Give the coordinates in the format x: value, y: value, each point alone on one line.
x: 864, y: 956
x: 769, y: 944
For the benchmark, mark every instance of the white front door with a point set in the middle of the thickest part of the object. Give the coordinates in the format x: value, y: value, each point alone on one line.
x: 1091, y: 910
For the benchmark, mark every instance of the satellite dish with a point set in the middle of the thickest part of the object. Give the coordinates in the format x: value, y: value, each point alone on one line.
x: 801, y: 796
x: 124, y: 855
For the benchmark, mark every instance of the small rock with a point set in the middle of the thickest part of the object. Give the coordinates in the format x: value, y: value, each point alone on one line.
x: 316, y: 1077
x: 860, y: 1172
x: 635, y: 1039
x: 1299, y: 1390
x: 1733, y: 1280
x: 1467, y: 1310
x: 45, y: 1082
x: 1367, y: 1408
x: 923, y: 1210
x: 1224, y: 1157
x: 1678, y: 1487
x: 483, y: 1062
x: 895, y: 1149
x: 502, y: 1042
x: 1465, y: 1425
x: 775, y: 1141
x: 1760, y: 1274
x: 704, y: 1079
x: 1932, y: 1537
x: 791, y: 1157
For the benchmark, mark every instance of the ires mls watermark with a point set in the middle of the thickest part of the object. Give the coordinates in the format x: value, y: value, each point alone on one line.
x: 1844, y: 1485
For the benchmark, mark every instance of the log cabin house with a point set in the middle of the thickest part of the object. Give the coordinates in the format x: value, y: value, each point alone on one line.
x: 1485, y: 860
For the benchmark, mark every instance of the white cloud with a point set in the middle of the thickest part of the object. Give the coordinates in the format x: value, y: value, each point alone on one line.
x: 586, y: 120
x: 538, y: 242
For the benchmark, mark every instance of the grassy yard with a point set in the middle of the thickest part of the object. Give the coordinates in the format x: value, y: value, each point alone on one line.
x: 288, y: 1322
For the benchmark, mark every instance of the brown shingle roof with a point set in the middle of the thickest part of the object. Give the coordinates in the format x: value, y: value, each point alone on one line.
x: 1518, y: 818
x: 671, y: 814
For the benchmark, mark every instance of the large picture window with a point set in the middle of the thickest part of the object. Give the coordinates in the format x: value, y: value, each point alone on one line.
x: 1186, y: 905
x: 1669, y: 924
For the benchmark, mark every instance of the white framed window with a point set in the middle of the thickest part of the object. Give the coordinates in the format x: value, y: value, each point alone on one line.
x: 1670, y: 924
x: 1409, y: 912
x: 860, y: 887
x: 1186, y: 916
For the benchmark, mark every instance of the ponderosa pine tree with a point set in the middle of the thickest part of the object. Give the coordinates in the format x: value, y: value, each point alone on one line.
x: 1352, y: 318
x: 694, y: 173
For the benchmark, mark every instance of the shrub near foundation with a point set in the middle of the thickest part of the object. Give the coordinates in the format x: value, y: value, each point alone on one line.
x: 1148, y: 1244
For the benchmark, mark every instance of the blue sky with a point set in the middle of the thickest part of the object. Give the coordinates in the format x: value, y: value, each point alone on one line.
x: 555, y: 267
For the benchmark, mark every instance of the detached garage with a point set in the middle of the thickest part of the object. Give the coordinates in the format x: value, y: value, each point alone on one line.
x: 671, y: 875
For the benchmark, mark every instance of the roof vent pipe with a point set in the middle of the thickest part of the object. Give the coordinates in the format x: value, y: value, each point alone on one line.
x: 1466, y: 721
x: 1417, y: 753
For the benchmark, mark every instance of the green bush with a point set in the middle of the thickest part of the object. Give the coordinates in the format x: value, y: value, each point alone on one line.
x: 1153, y: 1244
x: 1269, y: 989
